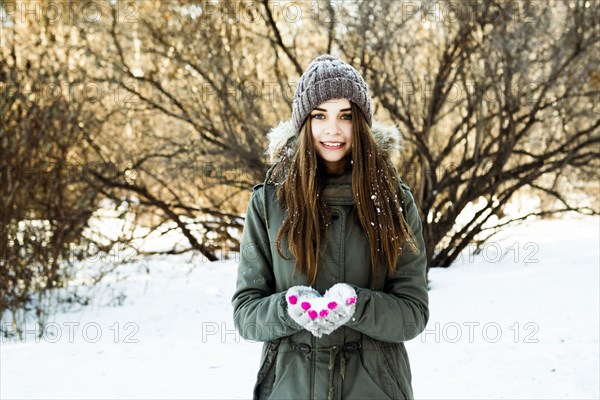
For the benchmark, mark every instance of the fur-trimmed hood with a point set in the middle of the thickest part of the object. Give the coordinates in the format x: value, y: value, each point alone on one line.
x: 282, y: 138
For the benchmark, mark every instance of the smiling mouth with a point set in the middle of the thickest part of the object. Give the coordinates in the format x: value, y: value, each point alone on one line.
x: 332, y: 145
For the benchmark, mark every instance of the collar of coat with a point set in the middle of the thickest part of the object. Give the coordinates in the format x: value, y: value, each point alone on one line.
x: 338, y: 189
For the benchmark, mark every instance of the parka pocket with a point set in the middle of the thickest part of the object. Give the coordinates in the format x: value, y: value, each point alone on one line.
x: 388, y: 360
x: 266, y: 372
x: 292, y: 374
x: 366, y: 380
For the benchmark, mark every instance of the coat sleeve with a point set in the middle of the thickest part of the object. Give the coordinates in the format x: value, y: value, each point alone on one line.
x: 400, y: 312
x: 259, y: 313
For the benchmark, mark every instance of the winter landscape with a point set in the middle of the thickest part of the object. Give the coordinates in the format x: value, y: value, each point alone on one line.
x: 518, y: 321
x: 134, y: 132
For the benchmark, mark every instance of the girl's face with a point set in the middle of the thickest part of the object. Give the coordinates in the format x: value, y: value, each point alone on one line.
x: 331, y: 125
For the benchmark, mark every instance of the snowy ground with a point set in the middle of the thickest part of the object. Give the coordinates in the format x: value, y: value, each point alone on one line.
x: 524, y: 326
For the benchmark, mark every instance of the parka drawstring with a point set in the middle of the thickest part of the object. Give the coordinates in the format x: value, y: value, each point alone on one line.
x: 333, y: 353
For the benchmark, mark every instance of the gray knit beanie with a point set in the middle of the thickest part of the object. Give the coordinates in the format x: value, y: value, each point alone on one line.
x: 327, y: 78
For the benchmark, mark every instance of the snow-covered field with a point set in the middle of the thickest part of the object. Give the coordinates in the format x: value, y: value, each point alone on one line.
x: 520, y: 321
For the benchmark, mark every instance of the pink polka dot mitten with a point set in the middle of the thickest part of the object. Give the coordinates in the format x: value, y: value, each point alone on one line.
x: 321, y: 314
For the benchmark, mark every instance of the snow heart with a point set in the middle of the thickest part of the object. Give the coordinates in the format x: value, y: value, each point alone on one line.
x: 321, y: 314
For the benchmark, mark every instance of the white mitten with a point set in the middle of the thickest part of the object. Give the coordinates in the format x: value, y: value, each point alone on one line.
x: 321, y: 314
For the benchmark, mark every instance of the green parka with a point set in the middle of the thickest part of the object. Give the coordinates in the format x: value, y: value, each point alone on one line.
x: 364, y: 359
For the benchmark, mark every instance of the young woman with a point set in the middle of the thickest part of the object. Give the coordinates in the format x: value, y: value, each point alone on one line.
x: 332, y: 267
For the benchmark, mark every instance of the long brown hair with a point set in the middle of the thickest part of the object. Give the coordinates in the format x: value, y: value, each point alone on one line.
x: 375, y: 189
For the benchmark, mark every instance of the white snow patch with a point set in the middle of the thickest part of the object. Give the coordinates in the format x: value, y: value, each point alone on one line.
x: 520, y: 320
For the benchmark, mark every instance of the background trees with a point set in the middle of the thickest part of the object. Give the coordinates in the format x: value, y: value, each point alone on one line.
x: 162, y: 110
x: 495, y: 99
x: 45, y: 201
